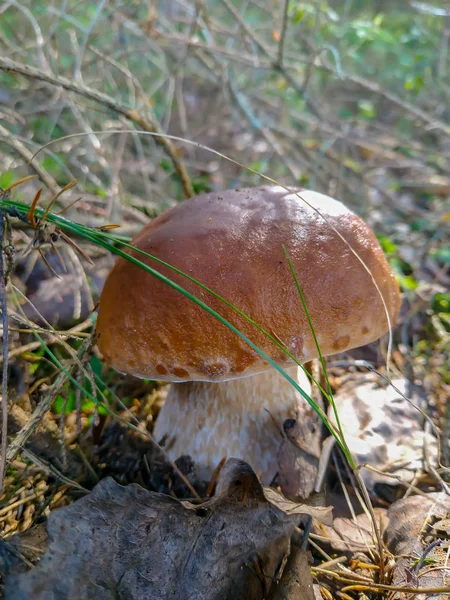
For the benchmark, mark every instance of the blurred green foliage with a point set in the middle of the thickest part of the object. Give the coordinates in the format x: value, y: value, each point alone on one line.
x: 397, y: 44
x: 67, y: 402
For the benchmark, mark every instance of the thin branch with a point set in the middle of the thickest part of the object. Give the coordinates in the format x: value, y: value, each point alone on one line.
x: 276, y: 65
x: 147, y: 123
x: 241, y: 57
x: 284, y: 25
x: 44, y: 406
x: 4, y: 309
x: 415, y: 111
x: 248, y: 30
x: 320, y: 62
x: 50, y: 469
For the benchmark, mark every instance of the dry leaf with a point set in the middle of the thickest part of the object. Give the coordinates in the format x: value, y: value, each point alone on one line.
x: 383, y: 429
x: 126, y: 542
x: 419, y: 534
x: 353, y: 535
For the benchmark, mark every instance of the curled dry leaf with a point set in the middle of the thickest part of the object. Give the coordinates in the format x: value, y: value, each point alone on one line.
x: 126, y: 542
x: 353, y: 535
x: 419, y: 535
x: 383, y: 429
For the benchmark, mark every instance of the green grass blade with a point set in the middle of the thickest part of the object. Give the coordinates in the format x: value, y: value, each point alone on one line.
x: 104, y: 240
x: 322, y: 359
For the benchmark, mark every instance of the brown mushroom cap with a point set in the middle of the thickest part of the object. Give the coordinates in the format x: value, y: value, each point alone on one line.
x: 232, y: 242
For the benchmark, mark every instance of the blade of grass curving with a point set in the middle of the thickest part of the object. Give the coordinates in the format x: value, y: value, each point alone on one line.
x: 89, y: 233
x: 80, y: 229
x: 263, y: 176
x: 5, y: 332
x: 227, y: 303
x: 122, y: 240
x: 219, y: 317
x: 103, y: 239
x: 321, y: 358
x: 367, y: 505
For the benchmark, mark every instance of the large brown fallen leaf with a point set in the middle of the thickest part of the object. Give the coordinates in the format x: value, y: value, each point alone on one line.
x: 419, y: 535
x: 383, y: 430
x: 128, y: 543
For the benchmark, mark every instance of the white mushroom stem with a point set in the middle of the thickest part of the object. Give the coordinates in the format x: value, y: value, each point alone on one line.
x: 240, y: 418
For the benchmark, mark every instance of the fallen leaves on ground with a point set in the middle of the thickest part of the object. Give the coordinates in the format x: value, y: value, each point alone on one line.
x: 419, y: 534
x: 126, y: 542
x: 384, y: 430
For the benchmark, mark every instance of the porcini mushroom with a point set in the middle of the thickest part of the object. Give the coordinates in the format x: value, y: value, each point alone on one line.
x: 225, y: 399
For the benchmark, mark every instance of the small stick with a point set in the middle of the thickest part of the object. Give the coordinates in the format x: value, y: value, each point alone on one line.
x: 43, y: 406
x: 148, y: 122
x: 4, y: 309
x: 284, y: 25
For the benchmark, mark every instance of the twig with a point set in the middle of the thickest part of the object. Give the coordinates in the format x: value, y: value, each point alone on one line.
x: 74, y: 332
x: 284, y: 25
x: 248, y: 30
x: 268, y: 52
x: 361, y: 584
x: 87, y: 32
x: 257, y: 124
x: 241, y: 57
x: 44, y: 405
x: 10, y: 507
x: 320, y: 63
x: 50, y: 469
x: 147, y: 123
x: 4, y: 309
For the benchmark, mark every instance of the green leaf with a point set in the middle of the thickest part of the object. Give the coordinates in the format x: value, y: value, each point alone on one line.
x: 388, y: 245
x: 441, y: 303
x: 6, y: 178
x: 366, y: 109
x: 62, y: 404
x: 414, y: 83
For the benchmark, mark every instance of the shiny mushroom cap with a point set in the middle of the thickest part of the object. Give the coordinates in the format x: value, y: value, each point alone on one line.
x: 232, y: 242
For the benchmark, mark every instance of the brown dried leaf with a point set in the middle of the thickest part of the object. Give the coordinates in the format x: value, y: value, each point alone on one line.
x: 348, y: 535
x: 126, y: 542
x: 383, y: 429
x: 321, y: 513
x: 419, y: 534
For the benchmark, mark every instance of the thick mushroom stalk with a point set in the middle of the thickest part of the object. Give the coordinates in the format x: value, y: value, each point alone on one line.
x: 237, y: 418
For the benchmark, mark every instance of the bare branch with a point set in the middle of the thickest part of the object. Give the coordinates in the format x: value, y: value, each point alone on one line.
x: 4, y: 309
x: 284, y: 25
x: 148, y: 123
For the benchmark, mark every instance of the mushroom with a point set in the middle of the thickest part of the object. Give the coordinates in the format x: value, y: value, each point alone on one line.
x: 225, y: 399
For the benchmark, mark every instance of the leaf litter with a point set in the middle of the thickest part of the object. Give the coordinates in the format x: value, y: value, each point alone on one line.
x: 127, y: 542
